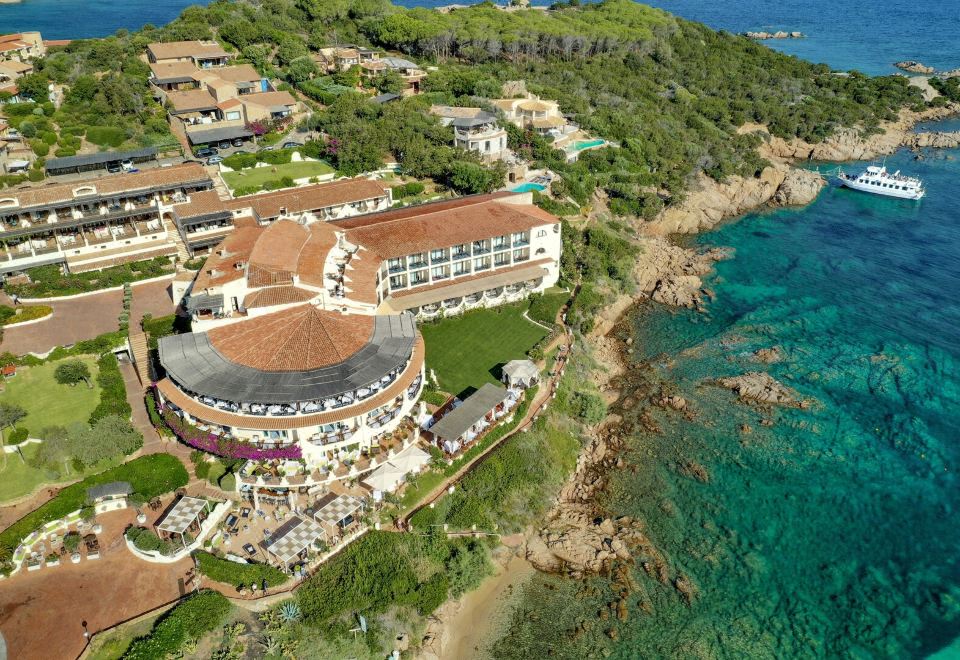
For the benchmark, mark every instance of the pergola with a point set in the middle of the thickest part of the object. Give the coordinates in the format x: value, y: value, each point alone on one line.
x: 293, y: 537
x: 187, y: 514
x: 520, y: 373
x: 332, y: 509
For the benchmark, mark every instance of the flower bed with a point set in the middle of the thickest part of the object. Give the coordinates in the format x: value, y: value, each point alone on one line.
x: 227, y: 447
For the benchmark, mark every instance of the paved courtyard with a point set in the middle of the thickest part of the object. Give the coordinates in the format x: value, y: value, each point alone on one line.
x: 85, y: 317
x: 41, y: 612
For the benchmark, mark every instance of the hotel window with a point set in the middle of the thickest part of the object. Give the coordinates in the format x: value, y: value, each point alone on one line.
x: 438, y: 256
x: 521, y: 238
x: 395, y: 265
x: 398, y: 281
x: 521, y: 255
x: 440, y: 273
x: 418, y: 277
x: 461, y: 251
x: 501, y: 259
x: 461, y: 268
x: 417, y: 260
x: 481, y: 247
x: 500, y: 242
x: 481, y: 264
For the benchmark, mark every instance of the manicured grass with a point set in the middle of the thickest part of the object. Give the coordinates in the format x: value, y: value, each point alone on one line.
x: 258, y: 176
x: 47, y: 402
x: 467, y: 351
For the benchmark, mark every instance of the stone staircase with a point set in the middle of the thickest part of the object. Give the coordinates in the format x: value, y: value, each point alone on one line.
x: 173, y: 234
x: 141, y: 355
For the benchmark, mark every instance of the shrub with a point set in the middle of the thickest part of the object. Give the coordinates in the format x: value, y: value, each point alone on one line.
x: 71, y: 541
x: 196, y: 615
x: 232, y: 573
x: 46, y: 281
x: 228, y: 482
x: 431, y: 594
x: 113, y: 391
x: 408, y: 190
x: 35, y: 175
x: 148, y: 541
x: 64, y: 152
x: 18, y: 435
x: 49, y: 137
x: 72, y: 372
x: 201, y: 469
x: 106, y: 136
x: 40, y: 148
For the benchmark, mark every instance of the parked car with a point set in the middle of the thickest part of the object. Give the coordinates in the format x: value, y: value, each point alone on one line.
x: 126, y: 165
x: 113, y: 168
x: 240, y: 152
x: 269, y: 147
x: 238, y: 142
x: 292, y: 145
x: 206, y: 152
x: 224, y: 144
x: 213, y: 160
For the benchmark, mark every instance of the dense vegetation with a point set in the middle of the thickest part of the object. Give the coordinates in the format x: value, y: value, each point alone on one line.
x: 238, y: 575
x: 50, y: 281
x: 113, y: 392
x: 150, y: 476
x: 193, y: 617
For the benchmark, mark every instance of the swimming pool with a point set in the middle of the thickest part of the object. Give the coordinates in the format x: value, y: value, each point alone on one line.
x: 585, y: 144
x: 529, y: 187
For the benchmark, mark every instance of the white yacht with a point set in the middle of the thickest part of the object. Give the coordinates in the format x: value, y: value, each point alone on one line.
x: 879, y: 181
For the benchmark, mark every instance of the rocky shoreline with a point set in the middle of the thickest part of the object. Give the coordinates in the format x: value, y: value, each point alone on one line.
x: 779, y: 34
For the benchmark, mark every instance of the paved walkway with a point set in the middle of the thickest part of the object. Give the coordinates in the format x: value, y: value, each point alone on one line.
x: 84, y: 318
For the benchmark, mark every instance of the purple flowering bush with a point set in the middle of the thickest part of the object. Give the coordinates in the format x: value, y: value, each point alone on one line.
x: 227, y: 447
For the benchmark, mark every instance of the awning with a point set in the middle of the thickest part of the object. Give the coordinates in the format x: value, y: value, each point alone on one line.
x: 182, y: 515
x: 102, y: 158
x: 111, y: 489
x: 411, y: 459
x: 204, y: 301
x: 385, y: 478
x: 218, y: 134
x: 335, y: 508
x: 293, y: 537
x: 523, y: 371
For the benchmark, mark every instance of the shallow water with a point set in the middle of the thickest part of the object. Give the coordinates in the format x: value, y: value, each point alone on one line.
x: 833, y: 532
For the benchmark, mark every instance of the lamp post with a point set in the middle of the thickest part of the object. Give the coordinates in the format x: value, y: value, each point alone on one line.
x: 86, y: 634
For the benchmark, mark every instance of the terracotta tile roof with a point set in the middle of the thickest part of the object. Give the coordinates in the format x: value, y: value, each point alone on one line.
x: 230, y: 103
x: 346, y: 53
x: 534, y: 105
x: 270, y: 99
x: 277, y: 295
x: 172, y: 50
x: 310, y: 198
x: 417, y: 229
x: 225, y: 262
x: 160, y: 177
x: 165, y: 70
x: 314, y: 254
x: 17, y: 67
x: 171, y: 393
x: 297, y: 339
x: 452, y: 112
x: 236, y: 73
x: 361, y: 276
x: 191, y: 99
x: 278, y: 247
x: 203, y: 202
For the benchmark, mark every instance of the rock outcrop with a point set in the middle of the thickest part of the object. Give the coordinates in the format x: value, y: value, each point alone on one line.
x: 761, y: 387
x: 914, y: 67
x: 670, y: 274
x: 799, y: 187
x: 933, y: 139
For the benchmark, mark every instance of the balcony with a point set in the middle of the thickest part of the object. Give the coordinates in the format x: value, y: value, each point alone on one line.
x: 396, y: 268
x: 440, y: 260
x: 417, y: 264
x: 522, y: 241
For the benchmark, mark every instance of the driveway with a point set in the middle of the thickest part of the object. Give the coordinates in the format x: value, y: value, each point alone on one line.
x: 84, y: 317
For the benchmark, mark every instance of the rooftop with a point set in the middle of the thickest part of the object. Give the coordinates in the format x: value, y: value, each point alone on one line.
x: 173, y: 50
x: 310, y: 198
x: 189, y: 100
x: 459, y: 420
x: 174, y: 71
x: 203, y: 202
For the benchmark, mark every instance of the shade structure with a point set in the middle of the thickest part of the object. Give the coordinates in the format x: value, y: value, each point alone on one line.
x: 520, y: 372
x: 459, y: 420
x: 385, y: 478
x: 293, y: 537
x: 332, y: 508
x: 182, y: 515
x: 411, y: 459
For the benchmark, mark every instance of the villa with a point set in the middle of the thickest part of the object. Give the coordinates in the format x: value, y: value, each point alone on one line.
x: 202, y: 54
x: 97, y: 223
x: 536, y: 114
x: 211, y: 105
x: 475, y: 130
x: 21, y: 46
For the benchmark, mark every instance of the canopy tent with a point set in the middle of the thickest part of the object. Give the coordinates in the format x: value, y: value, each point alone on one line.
x: 293, y: 537
x: 411, y: 459
x: 520, y: 373
x: 385, y: 478
x: 181, y: 518
x: 333, y: 509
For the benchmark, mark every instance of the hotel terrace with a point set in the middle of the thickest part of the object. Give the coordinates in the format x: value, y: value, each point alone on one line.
x: 304, y: 336
x: 97, y: 223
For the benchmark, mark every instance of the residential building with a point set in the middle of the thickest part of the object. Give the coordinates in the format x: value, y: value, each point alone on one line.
x: 96, y: 223
x: 410, y: 72
x: 475, y: 129
x: 304, y: 337
x: 21, y: 46
x: 536, y: 114
x: 342, y: 58
x: 218, y: 104
x: 203, y: 54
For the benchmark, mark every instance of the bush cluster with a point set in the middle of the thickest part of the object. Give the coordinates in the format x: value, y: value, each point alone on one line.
x: 49, y: 281
x: 113, y: 391
x: 232, y: 573
x: 408, y: 190
x: 193, y: 617
x: 148, y: 541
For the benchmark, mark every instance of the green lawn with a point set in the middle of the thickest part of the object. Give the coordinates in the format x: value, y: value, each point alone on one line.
x: 48, y: 404
x: 258, y: 176
x: 467, y: 351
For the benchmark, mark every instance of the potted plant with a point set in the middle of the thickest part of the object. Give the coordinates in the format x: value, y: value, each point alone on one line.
x: 53, y: 559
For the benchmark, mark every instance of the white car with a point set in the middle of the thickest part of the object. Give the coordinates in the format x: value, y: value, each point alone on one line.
x: 126, y: 165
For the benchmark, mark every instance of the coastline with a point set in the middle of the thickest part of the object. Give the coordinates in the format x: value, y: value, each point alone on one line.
x: 571, y: 541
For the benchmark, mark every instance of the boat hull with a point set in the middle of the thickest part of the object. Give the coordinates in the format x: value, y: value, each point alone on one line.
x: 886, y: 192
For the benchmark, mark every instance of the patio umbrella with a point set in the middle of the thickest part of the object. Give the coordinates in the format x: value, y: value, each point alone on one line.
x: 385, y: 478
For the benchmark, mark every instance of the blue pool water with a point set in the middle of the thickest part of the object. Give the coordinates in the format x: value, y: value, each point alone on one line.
x: 528, y: 187
x: 585, y: 144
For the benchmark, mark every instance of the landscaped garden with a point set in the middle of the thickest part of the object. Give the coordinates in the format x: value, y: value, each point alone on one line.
x: 467, y: 350
x: 254, y: 179
x: 50, y: 281
x: 47, y: 402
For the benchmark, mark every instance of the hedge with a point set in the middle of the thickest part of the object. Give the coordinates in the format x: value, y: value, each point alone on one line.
x: 113, y: 391
x: 148, y: 541
x: 195, y: 616
x: 9, y: 316
x: 49, y: 281
x: 150, y: 476
x: 232, y: 573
